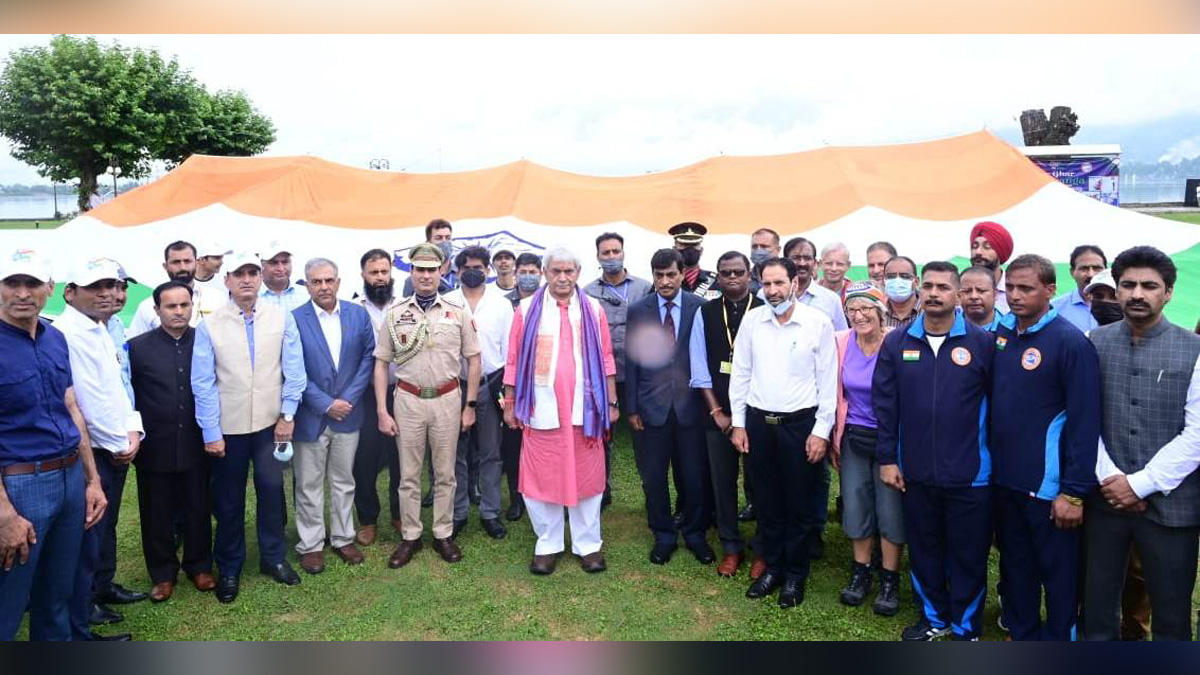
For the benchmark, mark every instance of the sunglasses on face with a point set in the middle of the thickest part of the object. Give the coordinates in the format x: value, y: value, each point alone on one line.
x: 732, y: 274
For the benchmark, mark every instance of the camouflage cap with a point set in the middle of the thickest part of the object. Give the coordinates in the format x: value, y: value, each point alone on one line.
x: 426, y: 255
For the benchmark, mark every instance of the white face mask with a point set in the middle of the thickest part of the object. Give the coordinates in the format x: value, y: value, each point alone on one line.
x: 782, y: 307
x: 899, y: 290
x: 283, y: 451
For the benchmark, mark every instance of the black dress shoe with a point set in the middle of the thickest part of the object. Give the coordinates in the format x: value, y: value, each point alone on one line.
x: 494, y: 528
x: 119, y: 595
x: 226, y: 590
x: 661, y: 553
x: 458, y: 527
x: 427, y: 500
x: 764, y: 585
x: 281, y: 572
x: 791, y: 594
x: 748, y: 514
x: 119, y: 637
x: 515, y: 510
x: 102, y: 615
x: 703, y: 553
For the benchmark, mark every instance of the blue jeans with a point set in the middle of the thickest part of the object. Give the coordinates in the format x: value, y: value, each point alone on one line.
x: 53, y: 503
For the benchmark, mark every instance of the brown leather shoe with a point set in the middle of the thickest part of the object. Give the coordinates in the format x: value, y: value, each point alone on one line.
x: 204, y: 582
x: 757, y: 567
x: 365, y: 535
x: 350, y: 554
x: 398, y: 526
x: 730, y: 564
x: 313, y: 563
x: 404, y: 553
x: 161, y: 592
x: 593, y: 562
x: 448, y: 549
x: 543, y: 564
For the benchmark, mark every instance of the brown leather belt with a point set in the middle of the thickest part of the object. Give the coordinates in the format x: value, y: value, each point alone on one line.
x: 429, y: 392
x: 43, y: 466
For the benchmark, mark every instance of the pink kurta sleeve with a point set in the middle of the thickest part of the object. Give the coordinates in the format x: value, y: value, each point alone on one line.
x: 610, y: 364
x: 515, y: 333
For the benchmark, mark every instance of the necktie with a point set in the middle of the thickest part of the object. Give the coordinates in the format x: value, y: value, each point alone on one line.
x: 669, y: 320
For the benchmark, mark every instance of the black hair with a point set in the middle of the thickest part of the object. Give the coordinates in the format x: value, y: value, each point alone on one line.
x: 373, y: 254
x: 1145, y: 256
x: 178, y: 246
x: 1087, y: 248
x: 472, y: 253
x: 732, y: 255
x: 941, y: 266
x: 1040, y: 265
x: 980, y: 269
x: 609, y: 235
x: 884, y: 246
x: 797, y: 241
x: 787, y: 264
x: 437, y: 224
x: 664, y: 258
x: 529, y: 259
x: 905, y: 259
x: 169, y: 285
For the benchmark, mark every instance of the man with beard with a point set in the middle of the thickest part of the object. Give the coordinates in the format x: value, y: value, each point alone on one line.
x: 1149, y: 451
x: 689, y: 241
x: 977, y: 297
x: 180, y: 265
x: 929, y: 392
x: 375, y: 449
x: 991, y: 247
x: 505, y: 265
x: 1086, y: 262
x: 878, y: 255
x: 783, y: 400
x: 764, y: 245
x: 440, y: 233
x: 277, y: 286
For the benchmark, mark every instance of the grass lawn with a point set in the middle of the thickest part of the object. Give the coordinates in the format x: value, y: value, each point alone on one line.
x: 47, y: 224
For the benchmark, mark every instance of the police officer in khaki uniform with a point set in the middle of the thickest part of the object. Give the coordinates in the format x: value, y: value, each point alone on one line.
x: 425, y: 336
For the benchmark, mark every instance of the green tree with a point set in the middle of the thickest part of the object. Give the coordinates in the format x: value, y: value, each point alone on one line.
x: 77, y: 107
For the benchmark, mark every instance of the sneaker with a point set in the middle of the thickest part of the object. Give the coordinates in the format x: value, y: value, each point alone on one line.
x: 887, y: 603
x: 858, y: 587
x: 923, y: 631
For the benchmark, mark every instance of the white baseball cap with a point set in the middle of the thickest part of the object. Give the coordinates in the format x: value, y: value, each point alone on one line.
x: 211, y: 248
x: 24, y: 261
x: 239, y: 259
x: 274, y: 248
x: 1103, y: 278
x: 95, y: 269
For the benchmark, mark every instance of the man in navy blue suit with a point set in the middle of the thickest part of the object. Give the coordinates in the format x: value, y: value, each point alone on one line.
x: 666, y: 414
x: 339, y: 343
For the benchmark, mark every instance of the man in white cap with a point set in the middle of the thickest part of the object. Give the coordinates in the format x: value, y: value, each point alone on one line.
x: 179, y: 262
x: 113, y: 426
x: 50, y: 491
x: 277, y: 286
x: 210, y: 283
x: 242, y: 405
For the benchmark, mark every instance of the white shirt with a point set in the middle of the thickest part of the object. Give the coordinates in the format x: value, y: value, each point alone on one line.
x: 331, y: 327
x: 213, y: 295
x: 493, y: 319
x: 374, y: 311
x: 1173, y: 462
x: 96, y: 373
x: 145, y: 319
x: 785, y: 368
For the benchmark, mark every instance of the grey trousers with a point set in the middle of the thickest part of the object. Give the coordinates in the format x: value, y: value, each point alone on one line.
x: 485, y: 436
x: 1168, y: 564
x: 332, y: 456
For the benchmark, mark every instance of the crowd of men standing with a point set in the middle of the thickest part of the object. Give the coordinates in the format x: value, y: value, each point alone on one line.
x: 962, y: 409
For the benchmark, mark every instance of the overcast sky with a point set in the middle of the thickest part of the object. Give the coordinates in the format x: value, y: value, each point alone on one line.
x: 626, y: 105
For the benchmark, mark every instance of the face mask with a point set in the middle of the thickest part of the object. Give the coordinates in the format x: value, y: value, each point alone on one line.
x: 1107, y: 312
x: 760, y: 255
x: 283, y: 451
x: 613, y: 265
x: 528, y: 282
x: 447, y: 247
x: 691, y: 257
x: 782, y: 307
x: 473, y: 278
x: 898, y: 290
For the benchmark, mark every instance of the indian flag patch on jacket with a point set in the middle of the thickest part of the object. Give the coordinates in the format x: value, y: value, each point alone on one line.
x: 912, y: 355
x: 1001, y: 342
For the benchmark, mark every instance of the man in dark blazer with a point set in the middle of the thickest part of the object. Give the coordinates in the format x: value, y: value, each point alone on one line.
x: 666, y: 414
x: 172, y: 467
x: 338, y: 341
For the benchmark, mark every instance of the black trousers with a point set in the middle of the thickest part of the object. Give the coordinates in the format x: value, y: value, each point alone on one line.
x: 784, y: 482
x: 1168, y: 563
x: 160, y: 497
x: 374, y: 452
x: 510, y: 460
x: 723, y: 462
x: 112, y: 478
x: 681, y: 445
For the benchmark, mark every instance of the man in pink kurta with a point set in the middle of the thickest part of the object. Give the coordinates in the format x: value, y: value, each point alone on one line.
x: 561, y: 464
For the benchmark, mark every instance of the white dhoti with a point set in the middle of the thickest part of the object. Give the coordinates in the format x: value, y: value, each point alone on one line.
x: 547, y: 520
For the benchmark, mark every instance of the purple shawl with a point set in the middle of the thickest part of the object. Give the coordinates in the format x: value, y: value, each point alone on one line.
x: 595, y: 386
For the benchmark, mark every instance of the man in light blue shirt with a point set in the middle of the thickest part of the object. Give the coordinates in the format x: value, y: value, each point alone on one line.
x: 808, y: 292
x: 277, y: 287
x: 1086, y: 262
x: 241, y: 411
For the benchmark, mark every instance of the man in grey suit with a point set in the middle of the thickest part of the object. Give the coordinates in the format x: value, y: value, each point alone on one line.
x: 665, y: 413
x: 1149, y: 451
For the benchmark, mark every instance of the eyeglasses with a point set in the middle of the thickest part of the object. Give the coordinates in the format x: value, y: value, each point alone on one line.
x: 852, y: 311
x: 732, y: 274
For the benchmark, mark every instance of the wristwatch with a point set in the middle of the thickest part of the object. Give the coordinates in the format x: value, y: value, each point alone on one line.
x: 470, y: 404
x: 288, y: 417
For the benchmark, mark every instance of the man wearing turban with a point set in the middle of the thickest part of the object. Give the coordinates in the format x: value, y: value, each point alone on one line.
x: 991, y: 246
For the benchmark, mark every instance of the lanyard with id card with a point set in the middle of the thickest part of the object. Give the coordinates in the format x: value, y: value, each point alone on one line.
x: 727, y: 366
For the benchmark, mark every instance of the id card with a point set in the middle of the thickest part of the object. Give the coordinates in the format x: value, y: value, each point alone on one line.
x: 726, y: 367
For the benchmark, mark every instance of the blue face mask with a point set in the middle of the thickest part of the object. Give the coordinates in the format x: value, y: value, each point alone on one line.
x: 528, y: 282
x: 283, y: 451
x: 759, y: 256
x: 898, y: 290
x: 613, y: 265
x: 782, y: 307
